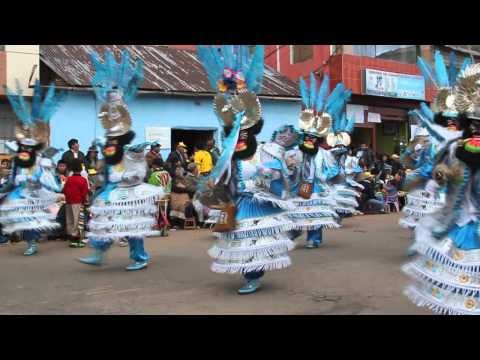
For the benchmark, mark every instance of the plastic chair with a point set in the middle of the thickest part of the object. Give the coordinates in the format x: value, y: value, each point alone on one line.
x: 392, y: 200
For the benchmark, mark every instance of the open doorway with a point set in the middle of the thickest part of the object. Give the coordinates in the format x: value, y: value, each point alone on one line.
x: 362, y: 135
x: 192, y: 136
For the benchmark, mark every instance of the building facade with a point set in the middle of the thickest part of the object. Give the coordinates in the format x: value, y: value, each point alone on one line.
x: 18, y: 64
x: 386, y: 83
x: 174, y: 103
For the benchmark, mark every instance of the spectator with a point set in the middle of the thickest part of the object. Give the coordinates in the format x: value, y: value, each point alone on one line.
x: 194, y: 208
x: 160, y: 177
x: 76, y: 195
x: 179, y: 197
x: 396, y: 164
x: 214, y: 151
x: 203, y: 160
x: 369, y: 201
x: 73, y: 153
x: 365, y: 156
x: 154, y: 154
x: 94, y: 168
x: 177, y: 157
x: 61, y: 172
x: 4, y: 171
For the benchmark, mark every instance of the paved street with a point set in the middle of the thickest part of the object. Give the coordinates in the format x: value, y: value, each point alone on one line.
x: 357, y: 271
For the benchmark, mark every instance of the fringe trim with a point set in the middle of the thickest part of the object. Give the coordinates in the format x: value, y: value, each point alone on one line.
x: 255, y: 233
x: 310, y: 227
x: 26, y: 218
x: 120, y: 235
x: 275, y: 264
x: 415, y: 200
x: 279, y: 247
x: 313, y: 214
x: 446, y: 260
x: 130, y: 211
x: 127, y: 204
x: 415, y: 212
x: 444, y: 284
x: 406, y: 224
x: 421, y: 300
x: 347, y: 201
x: 28, y: 226
x: 267, y: 198
x: 123, y: 226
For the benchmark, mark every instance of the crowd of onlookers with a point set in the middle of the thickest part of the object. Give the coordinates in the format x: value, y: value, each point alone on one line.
x: 383, y: 180
x: 81, y: 176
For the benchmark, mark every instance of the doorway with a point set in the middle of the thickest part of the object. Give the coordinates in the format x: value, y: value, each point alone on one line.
x: 192, y: 136
x: 363, y: 135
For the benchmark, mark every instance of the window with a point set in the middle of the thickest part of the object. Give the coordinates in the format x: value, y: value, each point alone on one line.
x: 401, y: 53
x: 300, y: 53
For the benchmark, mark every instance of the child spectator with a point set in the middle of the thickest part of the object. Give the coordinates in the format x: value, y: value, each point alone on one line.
x: 76, y: 194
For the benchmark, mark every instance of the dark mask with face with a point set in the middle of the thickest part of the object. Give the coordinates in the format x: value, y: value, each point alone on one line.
x: 445, y: 121
x: 309, y: 144
x: 27, y: 155
x: 113, y: 150
x: 469, y: 153
x: 247, y: 141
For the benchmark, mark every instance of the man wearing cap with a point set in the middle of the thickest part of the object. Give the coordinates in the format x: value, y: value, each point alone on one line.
x: 153, y: 154
x: 178, y: 157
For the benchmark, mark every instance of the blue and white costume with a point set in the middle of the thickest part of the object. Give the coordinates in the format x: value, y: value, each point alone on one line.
x: 316, y: 210
x: 420, y: 156
x: 256, y: 239
x: 446, y: 270
x: 126, y: 206
x: 346, y: 189
x: 32, y: 188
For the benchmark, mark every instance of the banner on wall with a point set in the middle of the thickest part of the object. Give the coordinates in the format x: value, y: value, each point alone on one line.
x: 160, y: 134
x: 356, y: 112
x: 402, y: 86
x: 374, y: 118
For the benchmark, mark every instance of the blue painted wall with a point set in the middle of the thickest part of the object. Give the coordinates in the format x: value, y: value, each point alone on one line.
x: 77, y: 118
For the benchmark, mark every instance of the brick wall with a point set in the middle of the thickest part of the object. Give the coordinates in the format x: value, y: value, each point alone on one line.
x: 348, y: 68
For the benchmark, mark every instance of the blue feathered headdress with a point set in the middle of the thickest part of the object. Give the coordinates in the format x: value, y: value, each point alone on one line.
x: 426, y: 118
x: 444, y: 80
x: 123, y: 76
x: 33, y: 122
x: 324, y: 112
x: 232, y: 68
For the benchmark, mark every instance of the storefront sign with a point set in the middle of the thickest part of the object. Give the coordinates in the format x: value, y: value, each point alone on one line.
x: 402, y: 86
x: 374, y: 118
x: 356, y: 112
x: 160, y: 134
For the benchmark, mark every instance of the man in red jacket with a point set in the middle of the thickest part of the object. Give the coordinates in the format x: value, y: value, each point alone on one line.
x: 76, y: 194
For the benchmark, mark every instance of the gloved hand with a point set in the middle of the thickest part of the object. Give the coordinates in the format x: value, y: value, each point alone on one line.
x: 130, y: 177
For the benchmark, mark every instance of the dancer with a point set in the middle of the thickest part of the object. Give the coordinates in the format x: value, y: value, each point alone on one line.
x: 420, y: 155
x: 345, y: 187
x: 251, y: 231
x: 312, y: 197
x: 32, y: 187
x: 446, y: 270
x: 125, y: 207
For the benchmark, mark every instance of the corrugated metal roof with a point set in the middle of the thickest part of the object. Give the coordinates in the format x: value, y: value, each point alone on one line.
x: 167, y: 70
